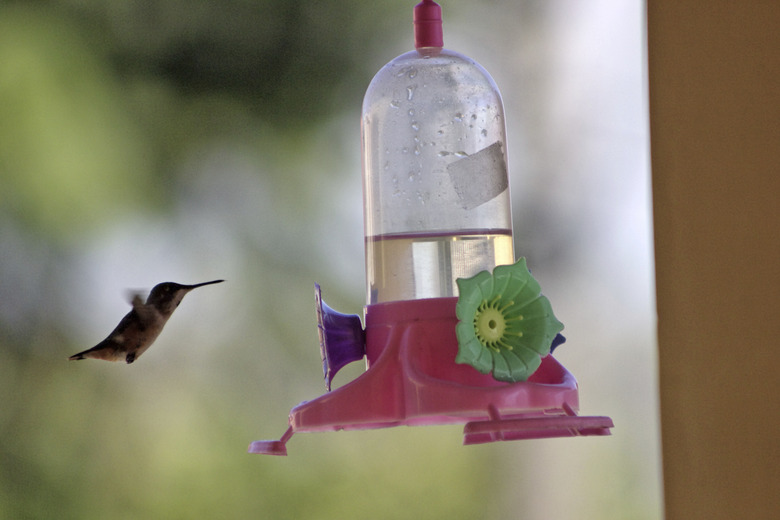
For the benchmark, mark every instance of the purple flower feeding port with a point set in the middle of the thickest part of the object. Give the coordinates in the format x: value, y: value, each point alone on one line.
x: 342, y: 340
x: 559, y: 340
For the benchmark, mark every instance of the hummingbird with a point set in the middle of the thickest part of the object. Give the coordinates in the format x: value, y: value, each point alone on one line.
x: 141, y: 326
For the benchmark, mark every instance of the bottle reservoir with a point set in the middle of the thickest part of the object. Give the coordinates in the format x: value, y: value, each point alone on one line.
x: 435, y: 179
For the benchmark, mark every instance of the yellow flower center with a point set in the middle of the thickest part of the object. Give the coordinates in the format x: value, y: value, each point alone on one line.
x: 490, y: 324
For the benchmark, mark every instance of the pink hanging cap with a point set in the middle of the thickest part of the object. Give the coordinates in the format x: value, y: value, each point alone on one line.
x: 427, y: 25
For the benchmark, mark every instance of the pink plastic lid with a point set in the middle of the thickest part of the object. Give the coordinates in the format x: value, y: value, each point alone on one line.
x: 427, y: 25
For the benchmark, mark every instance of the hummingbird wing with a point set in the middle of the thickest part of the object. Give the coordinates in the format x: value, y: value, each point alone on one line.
x: 135, y: 297
x: 140, y: 316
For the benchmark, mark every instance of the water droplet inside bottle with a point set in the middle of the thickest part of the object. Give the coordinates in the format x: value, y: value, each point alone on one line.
x: 415, y: 126
x: 461, y: 154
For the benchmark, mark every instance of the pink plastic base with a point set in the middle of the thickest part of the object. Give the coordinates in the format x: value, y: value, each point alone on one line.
x: 412, y: 379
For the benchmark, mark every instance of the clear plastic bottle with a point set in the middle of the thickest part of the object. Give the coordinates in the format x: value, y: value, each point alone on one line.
x: 436, y: 189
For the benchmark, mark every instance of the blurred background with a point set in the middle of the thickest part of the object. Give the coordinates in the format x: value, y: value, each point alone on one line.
x: 145, y: 141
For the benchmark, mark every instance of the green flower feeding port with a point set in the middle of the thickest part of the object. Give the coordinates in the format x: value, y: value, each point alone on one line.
x: 456, y: 331
x: 506, y: 325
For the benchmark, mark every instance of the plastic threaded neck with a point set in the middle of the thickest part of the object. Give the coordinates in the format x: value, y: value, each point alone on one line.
x: 427, y: 25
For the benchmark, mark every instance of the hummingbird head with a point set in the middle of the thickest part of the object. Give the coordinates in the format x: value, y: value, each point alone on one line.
x: 166, y: 296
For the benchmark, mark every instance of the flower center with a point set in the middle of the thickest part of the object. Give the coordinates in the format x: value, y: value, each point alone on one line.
x: 490, y: 324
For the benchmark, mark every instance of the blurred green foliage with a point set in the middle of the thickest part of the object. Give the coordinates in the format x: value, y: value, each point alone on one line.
x: 100, y: 100
x: 190, y: 140
x: 68, y: 145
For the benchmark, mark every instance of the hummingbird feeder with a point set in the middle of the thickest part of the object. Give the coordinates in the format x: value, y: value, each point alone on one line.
x: 456, y: 330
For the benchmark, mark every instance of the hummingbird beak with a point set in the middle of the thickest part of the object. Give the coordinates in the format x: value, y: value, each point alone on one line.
x: 195, y: 286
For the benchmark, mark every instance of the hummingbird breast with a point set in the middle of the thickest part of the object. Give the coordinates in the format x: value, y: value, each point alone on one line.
x: 145, y: 331
x: 136, y: 332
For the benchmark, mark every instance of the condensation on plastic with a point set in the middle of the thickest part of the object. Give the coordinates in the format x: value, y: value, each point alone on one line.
x: 434, y: 147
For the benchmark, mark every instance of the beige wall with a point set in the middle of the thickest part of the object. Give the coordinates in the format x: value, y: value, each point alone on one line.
x: 714, y: 85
